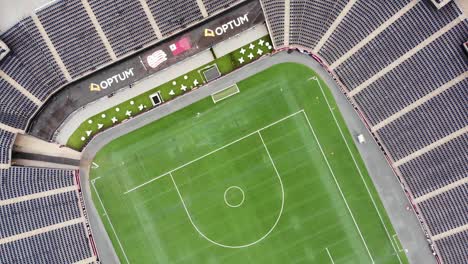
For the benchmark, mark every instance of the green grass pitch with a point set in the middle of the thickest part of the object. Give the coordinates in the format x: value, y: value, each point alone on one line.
x: 269, y: 175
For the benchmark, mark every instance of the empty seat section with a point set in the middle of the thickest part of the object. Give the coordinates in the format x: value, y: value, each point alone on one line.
x: 427, y: 123
x: 175, y: 15
x: 439, y: 167
x: 21, y: 181
x: 363, y: 18
x: 64, y: 245
x: 21, y: 217
x: 453, y: 248
x: 214, y: 6
x: 74, y: 37
x: 124, y: 23
x: 447, y: 210
x: 15, y: 108
x: 430, y: 68
x: 404, y: 34
x: 274, y: 12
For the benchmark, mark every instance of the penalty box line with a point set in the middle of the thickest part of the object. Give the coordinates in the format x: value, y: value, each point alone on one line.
x: 211, y: 152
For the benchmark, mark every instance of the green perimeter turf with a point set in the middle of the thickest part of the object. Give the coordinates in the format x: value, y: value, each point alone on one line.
x: 208, y: 148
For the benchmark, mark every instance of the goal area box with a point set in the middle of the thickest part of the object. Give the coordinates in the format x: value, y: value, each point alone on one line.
x: 225, y: 93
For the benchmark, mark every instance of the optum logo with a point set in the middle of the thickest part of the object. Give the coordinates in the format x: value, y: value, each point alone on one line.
x: 110, y: 81
x: 218, y: 31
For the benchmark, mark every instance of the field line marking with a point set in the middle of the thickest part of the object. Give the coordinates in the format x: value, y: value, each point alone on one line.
x: 145, y: 183
x: 226, y: 97
x: 395, y: 238
x: 329, y: 255
x: 110, y: 222
x: 213, y: 151
x: 358, y: 169
x: 223, y: 245
x: 339, y: 188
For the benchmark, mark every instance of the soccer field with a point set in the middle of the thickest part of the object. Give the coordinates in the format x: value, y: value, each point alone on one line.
x: 268, y: 175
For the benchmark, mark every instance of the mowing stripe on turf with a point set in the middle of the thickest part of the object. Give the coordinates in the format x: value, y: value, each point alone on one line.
x: 211, y: 152
x: 358, y: 169
x: 339, y: 188
x: 108, y: 218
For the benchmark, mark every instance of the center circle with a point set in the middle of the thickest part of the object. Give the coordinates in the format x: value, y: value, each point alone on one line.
x: 234, y: 191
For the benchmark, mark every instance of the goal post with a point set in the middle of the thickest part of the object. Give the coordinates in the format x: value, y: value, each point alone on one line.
x: 225, y: 93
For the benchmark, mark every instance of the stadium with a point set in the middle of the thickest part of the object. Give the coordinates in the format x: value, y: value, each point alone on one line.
x: 233, y: 131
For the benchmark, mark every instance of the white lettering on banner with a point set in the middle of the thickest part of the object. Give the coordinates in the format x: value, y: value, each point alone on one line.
x: 227, y: 26
x: 111, y: 80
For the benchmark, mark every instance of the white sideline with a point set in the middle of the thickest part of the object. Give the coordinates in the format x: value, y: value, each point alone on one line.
x: 211, y: 152
x: 108, y: 218
x: 339, y: 188
x: 329, y: 255
x: 357, y: 167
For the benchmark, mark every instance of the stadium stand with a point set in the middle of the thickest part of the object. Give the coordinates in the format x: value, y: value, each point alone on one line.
x: 387, y: 55
x: 440, y: 167
x: 6, y: 143
x: 73, y: 35
x: 275, y: 13
x: 215, y: 6
x: 15, y: 108
x: 447, y: 210
x: 311, y: 19
x: 64, y: 245
x: 22, y: 181
x: 363, y: 18
x: 173, y: 16
x: 403, y: 65
x: 40, y: 217
x: 455, y: 246
x: 124, y: 23
x: 40, y: 76
x: 25, y: 216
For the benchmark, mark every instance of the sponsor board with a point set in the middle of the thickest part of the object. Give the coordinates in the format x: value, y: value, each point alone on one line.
x: 202, y: 37
x: 108, y: 82
x: 224, y: 28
